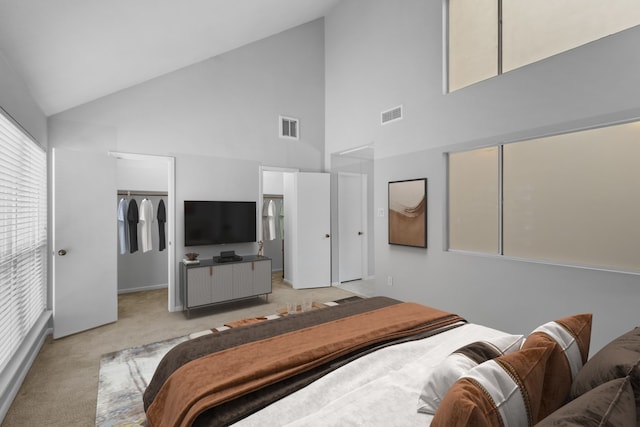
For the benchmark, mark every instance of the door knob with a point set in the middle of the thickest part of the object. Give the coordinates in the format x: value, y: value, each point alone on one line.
x: 327, y: 236
x: 360, y: 233
x: 62, y: 252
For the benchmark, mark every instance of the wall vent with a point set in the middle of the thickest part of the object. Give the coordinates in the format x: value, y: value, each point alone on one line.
x: 289, y: 127
x: 391, y: 115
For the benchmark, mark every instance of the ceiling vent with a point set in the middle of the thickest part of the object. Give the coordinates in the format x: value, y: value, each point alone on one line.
x: 289, y: 128
x: 391, y: 115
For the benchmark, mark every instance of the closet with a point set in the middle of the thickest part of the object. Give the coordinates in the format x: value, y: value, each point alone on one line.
x: 143, y: 253
x: 272, y: 214
x: 142, y: 247
x: 273, y: 229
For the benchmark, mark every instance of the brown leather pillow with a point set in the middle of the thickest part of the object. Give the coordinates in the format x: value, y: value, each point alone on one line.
x: 569, y: 338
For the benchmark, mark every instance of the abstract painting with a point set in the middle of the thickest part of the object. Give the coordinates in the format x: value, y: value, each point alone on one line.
x: 408, y: 212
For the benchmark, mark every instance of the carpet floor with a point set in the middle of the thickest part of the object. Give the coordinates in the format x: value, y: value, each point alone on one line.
x: 61, y: 388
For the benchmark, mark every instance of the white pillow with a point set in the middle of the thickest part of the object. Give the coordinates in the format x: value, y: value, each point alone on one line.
x: 458, y: 363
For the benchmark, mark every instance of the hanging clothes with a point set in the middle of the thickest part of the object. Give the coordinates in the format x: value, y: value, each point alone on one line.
x: 146, y: 219
x: 133, y: 218
x: 280, y: 219
x: 268, y: 220
x: 123, y: 226
x: 162, y: 219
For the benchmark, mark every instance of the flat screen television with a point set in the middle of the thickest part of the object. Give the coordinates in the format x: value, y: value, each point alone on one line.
x: 217, y: 222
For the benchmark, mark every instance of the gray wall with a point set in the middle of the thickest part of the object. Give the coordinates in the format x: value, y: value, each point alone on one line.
x: 380, y: 54
x: 218, y: 118
x: 16, y: 100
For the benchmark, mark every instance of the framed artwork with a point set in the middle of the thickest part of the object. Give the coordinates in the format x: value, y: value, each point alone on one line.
x: 408, y: 212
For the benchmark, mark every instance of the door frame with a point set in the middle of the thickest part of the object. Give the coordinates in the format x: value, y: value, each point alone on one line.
x: 171, y: 217
x: 261, y: 170
x: 364, y: 244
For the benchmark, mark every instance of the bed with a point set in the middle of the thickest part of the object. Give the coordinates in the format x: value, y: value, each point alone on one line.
x: 379, y: 361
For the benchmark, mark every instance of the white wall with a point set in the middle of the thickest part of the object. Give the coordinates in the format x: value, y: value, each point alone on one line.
x: 380, y: 54
x: 272, y: 182
x: 226, y: 106
x: 218, y: 118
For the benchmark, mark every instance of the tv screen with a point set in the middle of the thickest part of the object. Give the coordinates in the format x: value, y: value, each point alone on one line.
x: 216, y: 222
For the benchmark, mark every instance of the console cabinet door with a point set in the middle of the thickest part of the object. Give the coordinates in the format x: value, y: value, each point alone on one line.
x: 243, y: 280
x: 222, y: 283
x: 199, y: 286
x: 262, y: 277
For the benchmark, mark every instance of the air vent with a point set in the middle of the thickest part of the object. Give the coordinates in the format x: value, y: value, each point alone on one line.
x: 391, y: 115
x: 289, y: 128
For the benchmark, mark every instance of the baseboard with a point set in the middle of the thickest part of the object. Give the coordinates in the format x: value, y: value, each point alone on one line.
x: 177, y: 308
x: 142, y: 289
x: 13, y: 375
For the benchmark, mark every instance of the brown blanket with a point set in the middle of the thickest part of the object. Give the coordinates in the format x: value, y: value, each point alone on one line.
x: 198, y: 347
x: 220, y: 377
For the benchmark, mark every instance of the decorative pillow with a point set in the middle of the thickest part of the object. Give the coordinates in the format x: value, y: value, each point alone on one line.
x: 569, y: 339
x: 504, y: 391
x: 619, y: 358
x: 459, y: 362
x: 609, y: 404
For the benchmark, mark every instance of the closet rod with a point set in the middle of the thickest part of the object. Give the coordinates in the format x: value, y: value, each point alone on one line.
x: 142, y: 193
x: 272, y: 196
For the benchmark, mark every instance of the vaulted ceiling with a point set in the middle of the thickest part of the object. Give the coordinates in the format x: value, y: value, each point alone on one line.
x: 70, y: 52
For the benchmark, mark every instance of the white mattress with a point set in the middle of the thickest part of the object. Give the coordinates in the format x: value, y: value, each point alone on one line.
x: 380, y: 389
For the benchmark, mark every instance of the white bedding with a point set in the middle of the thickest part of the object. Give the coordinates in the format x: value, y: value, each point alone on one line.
x: 380, y: 389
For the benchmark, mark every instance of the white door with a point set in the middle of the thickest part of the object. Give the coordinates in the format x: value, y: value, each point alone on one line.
x: 84, y: 241
x: 351, y: 226
x: 307, y: 229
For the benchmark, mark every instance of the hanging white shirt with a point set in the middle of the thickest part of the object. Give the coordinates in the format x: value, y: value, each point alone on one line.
x: 271, y: 220
x: 146, y: 219
x: 123, y: 226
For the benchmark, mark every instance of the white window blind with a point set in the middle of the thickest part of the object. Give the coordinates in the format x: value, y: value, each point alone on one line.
x: 23, y: 236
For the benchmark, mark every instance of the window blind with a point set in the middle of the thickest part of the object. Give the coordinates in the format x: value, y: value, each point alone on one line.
x: 23, y: 236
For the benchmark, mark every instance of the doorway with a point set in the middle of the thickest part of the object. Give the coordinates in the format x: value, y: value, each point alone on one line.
x: 352, y: 172
x: 272, y: 218
x: 305, y: 224
x: 352, y: 226
x: 140, y: 177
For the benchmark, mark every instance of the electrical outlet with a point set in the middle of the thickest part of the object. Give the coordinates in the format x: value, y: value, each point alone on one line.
x: 381, y: 212
x: 389, y: 281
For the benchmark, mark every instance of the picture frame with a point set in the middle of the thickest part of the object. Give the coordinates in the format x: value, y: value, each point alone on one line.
x: 408, y: 212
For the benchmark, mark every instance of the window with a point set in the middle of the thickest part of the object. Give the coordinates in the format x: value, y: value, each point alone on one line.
x: 567, y: 199
x: 474, y: 200
x: 480, y: 48
x: 23, y: 236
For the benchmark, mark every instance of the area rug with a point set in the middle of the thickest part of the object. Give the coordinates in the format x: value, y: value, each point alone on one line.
x: 125, y: 374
